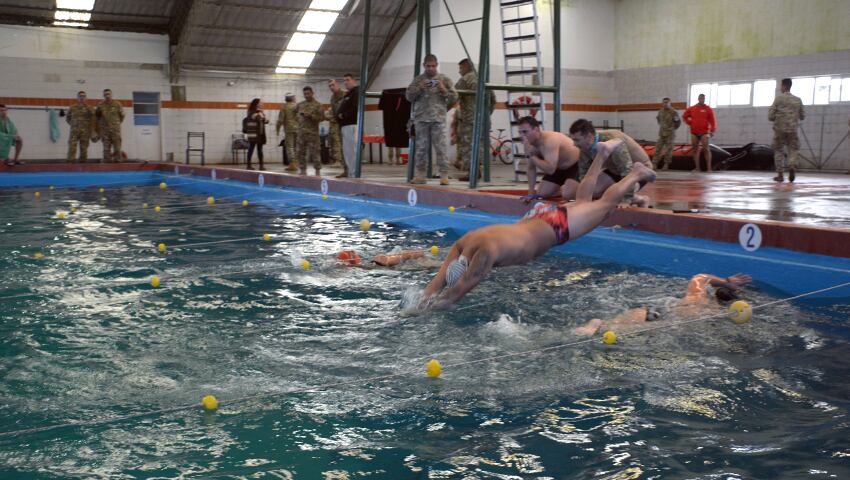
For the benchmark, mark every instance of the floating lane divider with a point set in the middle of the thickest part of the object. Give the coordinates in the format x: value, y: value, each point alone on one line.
x: 739, y: 313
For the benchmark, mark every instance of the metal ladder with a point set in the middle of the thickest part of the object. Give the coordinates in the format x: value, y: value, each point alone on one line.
x: 523, y: 66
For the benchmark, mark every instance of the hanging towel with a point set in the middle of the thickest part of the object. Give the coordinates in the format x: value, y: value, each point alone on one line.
x: 53, y: 118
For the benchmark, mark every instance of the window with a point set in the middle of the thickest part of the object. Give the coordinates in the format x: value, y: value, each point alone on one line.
x: 704, y: 89
x: 722, y: 95
x: 804, y: 88
x: 822, y: 90
x: 764, y: 91
x: 146, y: 108
x: 835, y: 90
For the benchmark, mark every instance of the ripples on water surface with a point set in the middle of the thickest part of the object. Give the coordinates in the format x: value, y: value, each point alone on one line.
x: 764, y: 400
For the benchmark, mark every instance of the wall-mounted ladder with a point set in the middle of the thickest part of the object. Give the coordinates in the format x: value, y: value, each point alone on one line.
x: 523, y: 66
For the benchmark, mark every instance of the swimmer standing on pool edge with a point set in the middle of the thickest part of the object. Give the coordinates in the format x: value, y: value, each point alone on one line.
x: 545, y: 226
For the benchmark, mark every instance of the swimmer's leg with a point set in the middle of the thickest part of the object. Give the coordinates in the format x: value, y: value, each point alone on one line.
x: 585, y: 216
x: 587, y: 187
x: 588, y: 328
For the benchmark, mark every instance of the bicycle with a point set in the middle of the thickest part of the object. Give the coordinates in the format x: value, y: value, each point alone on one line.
x: 502, y: 147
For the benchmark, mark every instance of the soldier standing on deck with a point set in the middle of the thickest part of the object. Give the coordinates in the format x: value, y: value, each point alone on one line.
x: 786, y: 113
x: 334, y: 135
x: 81, y: 119
x: 288, y: 119
x: 466, y: 120
x: 110, y: 115
x: 309, y: 115
x: 431, y: 94
x: 668, y: 121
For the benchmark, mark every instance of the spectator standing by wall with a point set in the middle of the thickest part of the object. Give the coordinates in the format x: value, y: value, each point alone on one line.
x: 110, y: 116
x: 9, y: 137
x: 310, y: 114
x: 431, y: 94
x: 701, y: 119
x: 466, y: 120
x: 81, y: 119
x: 786, y: 114
x: 334, y: 134
x: 255, y: 123
x: 668, y: 121
x: 347, y: 118
x: 288, y: 119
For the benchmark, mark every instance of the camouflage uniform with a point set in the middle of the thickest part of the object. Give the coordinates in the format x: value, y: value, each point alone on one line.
x: 288, y: 119
x: 467, y: 120
x: 110, y: 115
x: 334, y: 134
x: 429, y: 120
x: 668, y: 121
x: 81, y: 119
x: 310, y: 113
x: 785, y: 113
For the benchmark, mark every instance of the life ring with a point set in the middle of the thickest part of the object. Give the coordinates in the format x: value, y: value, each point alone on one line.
x: 523, y: 100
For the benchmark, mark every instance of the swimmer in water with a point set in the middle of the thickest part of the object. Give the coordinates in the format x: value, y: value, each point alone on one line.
x: 545, y: 226
x: 697, y: 298
x: 352, y: 259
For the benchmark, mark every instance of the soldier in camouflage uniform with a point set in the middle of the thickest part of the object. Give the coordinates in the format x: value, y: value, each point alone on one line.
x: 310, y: 113
x: 288, y: 119
x: 785, y: 113
x: 334, y: 134
x: 81, y: 119
x: 109, y: 117
x: 619, y: 163
x: 431, y: 94
x: 668, y: 121
x: 469, y: 81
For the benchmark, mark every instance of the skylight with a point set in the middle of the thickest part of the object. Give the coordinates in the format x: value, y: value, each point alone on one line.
x: 75, y: 4
x: 306, y: 42
x: 73, y: 13
x: 296, y: 59
x: 309, y: 36
x: 336, y: 5
x: 316, y: 21
x: 299, y: 71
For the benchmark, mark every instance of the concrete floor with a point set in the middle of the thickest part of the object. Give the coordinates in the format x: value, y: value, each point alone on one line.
x: 819, y: 199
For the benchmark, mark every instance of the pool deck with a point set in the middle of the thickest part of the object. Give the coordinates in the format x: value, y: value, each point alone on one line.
x: 812, y: 215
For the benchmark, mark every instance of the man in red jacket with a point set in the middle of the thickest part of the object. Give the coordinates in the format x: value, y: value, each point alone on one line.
x: 700, y: 118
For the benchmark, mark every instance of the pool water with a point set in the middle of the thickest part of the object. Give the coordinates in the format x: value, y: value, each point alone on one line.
x: 85, y: 338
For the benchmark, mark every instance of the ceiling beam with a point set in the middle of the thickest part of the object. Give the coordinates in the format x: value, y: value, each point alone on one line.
x: 284, y: 34
x: 181, y: 45
x: 93, y: 12
x: 251, y: 68
x: 278, y: 10
x: 32, y: 21
x: 271, y: 52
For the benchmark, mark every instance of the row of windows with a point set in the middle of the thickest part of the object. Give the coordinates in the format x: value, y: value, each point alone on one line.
x: 760, y: 93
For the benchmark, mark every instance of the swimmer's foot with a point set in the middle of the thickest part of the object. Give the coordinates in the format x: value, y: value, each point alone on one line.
x: 588, y: 329
x: 641, y: 201
x: 645, y: 175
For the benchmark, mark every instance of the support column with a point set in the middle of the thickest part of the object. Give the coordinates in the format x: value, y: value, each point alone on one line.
x: 556, y: 38
x: 421, y: 5
x: 480, y: 100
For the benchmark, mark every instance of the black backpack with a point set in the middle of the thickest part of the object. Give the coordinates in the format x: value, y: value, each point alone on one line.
x: 245, y: 124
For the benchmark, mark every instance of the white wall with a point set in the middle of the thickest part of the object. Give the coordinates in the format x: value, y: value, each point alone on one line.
x: 652, y: 33
x: 77, y: 44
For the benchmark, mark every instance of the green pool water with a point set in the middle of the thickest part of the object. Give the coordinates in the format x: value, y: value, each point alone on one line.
x: 86, y: 339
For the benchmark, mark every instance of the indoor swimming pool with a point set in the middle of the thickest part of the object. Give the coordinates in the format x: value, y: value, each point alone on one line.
x: 321, y: 373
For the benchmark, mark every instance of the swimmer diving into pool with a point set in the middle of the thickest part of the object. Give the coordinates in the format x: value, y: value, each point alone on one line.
x: 697, y: 298
x: 545, y: 226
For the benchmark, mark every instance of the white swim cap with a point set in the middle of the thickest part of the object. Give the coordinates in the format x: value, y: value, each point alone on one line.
x: 455, y: 270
